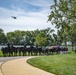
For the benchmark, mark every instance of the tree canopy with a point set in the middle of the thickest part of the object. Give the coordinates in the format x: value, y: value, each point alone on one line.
x: 41, y: 37
x: 63, y: 16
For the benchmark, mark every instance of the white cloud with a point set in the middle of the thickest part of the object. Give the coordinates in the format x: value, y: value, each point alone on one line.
x: 25, y: 20
x: 41, y: 3
x: 6, y: 13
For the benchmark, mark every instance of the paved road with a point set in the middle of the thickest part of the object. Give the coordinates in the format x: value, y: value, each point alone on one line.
x: 21, y: 67
x: 3, y: 59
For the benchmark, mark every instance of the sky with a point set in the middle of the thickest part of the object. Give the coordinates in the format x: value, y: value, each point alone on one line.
x: 31, y: 14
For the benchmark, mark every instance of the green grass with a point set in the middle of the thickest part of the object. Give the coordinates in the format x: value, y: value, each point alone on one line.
x: 63, y: 64
x: 1, y: 53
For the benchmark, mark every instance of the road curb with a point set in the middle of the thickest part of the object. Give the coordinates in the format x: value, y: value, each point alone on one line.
x: 1, y: 72
x: 2, y: 62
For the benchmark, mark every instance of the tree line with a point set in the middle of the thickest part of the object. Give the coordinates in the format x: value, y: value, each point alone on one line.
x: 44, y: 37
x: 41, y: 37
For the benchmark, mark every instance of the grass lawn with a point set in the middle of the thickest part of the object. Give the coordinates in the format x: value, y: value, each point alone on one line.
x: 62, y: 64
x: 1, y: 53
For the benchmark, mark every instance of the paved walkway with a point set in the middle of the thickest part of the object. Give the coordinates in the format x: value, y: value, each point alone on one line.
x: 0, y: 68
x: 21, y: 67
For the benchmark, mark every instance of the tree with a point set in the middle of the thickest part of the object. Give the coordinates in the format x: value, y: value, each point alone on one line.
x: 11, y: 37
x: 15, y: 37
x: 63, y: 15
x: 1, y: 31
x: 72, y: 35
x: 3, y: 38
x: 41, y: 39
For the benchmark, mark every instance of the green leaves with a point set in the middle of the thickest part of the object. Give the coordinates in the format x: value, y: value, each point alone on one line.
x: 3, y: 38
x: 41, y: 39
x: 63, y: 16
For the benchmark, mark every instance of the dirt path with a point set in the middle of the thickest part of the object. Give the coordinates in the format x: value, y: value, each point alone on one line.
x: 21, y: 67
